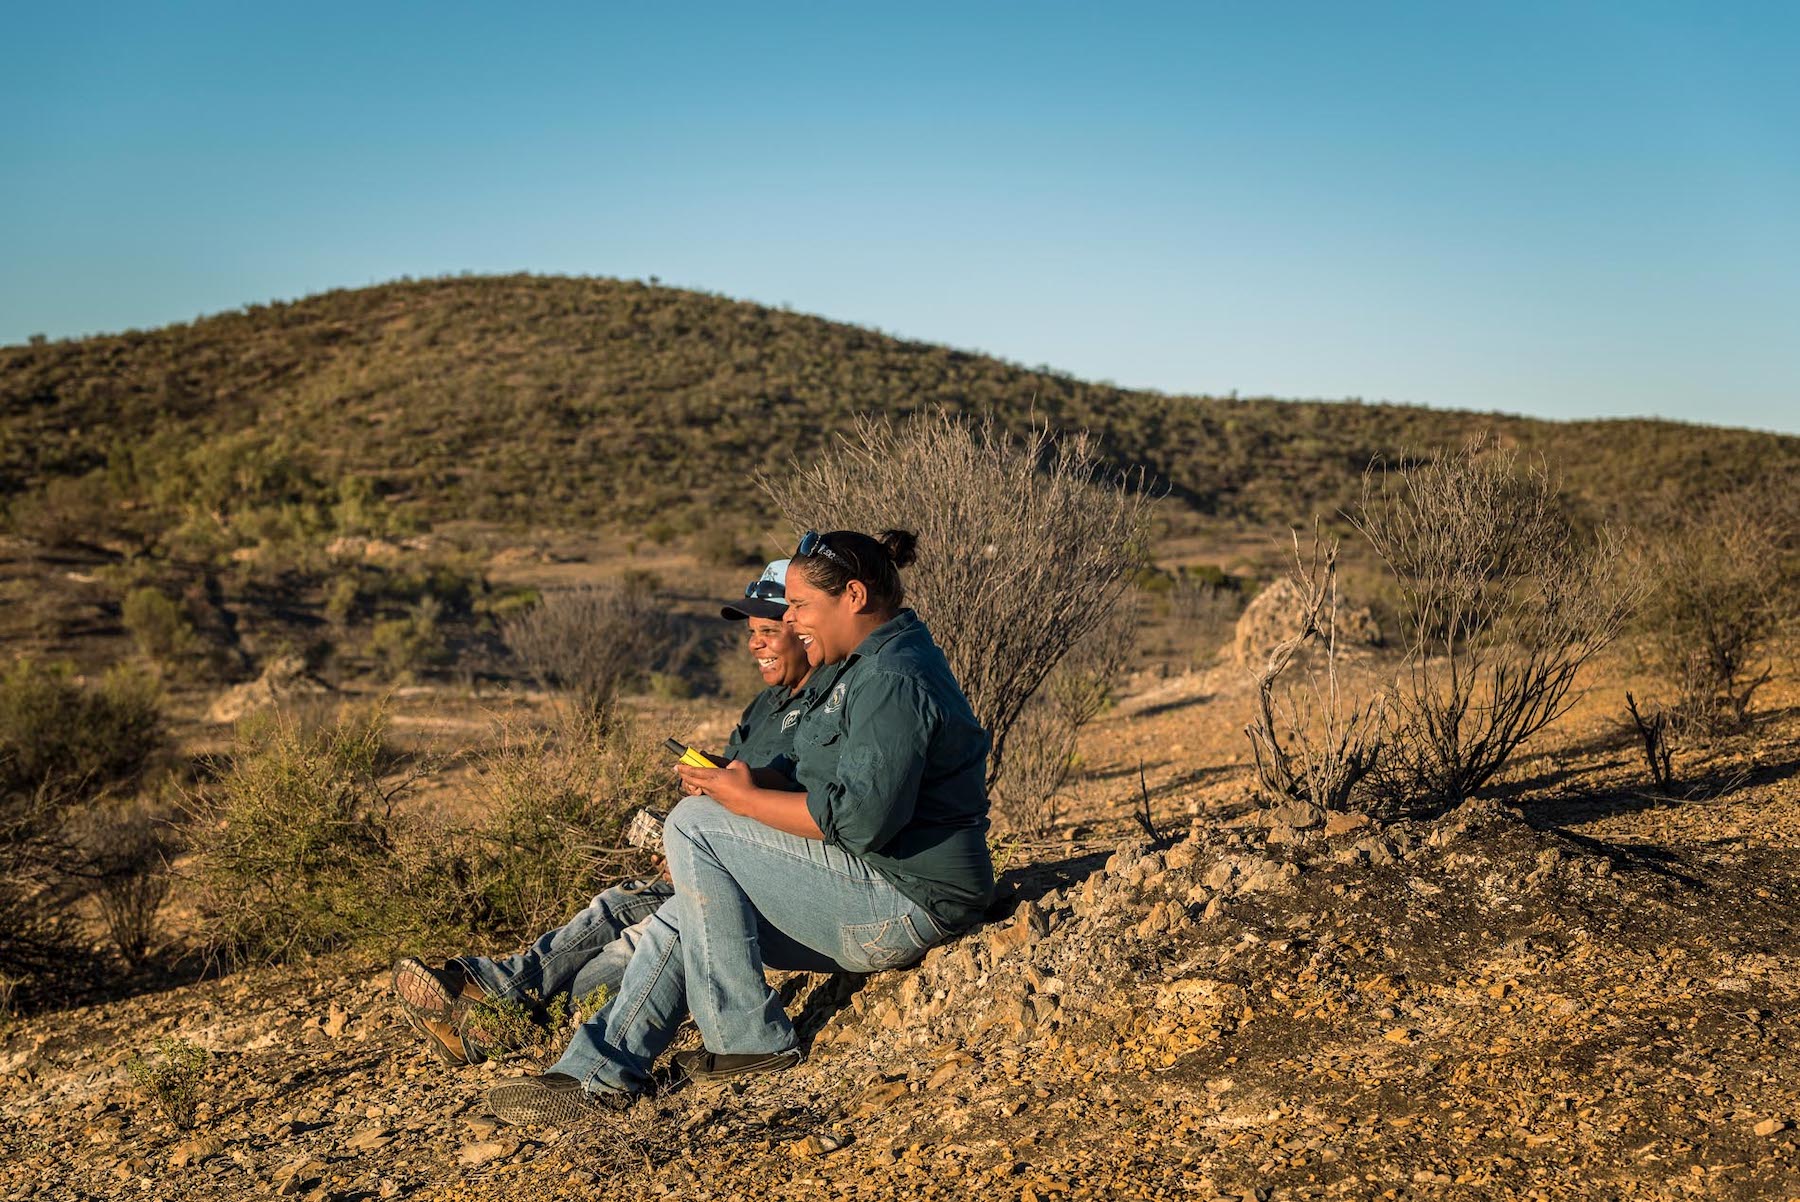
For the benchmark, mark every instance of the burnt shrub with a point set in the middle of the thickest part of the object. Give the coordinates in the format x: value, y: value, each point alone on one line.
x: 127, y: 847
x: 1311, y: 743
x: 1500, y: 602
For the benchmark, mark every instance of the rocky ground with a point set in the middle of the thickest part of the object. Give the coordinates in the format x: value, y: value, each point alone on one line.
x: 1580, y: 989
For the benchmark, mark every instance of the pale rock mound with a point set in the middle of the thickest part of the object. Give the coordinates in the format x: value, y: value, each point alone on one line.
x: 1276, y: 614
x: 284, y: 677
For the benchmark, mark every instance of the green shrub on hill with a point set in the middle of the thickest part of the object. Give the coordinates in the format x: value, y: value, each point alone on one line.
x: 301, y: 844
x: 298, y: 847
x: 73, y: 738
x: 162, y: 632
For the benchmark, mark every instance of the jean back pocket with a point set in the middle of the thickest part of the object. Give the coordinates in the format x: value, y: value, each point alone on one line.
x: 885, y: 943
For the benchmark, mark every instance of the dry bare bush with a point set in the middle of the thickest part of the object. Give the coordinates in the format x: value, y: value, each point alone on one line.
x: 1500, y: 605
x: 587, y: 641
x: 126, y: 846
x: 1720, y: 594
x: 1311, y: 744
x: 1044, y: 749
x: 1205, y: 613
x: 37, y: 864
x: 65, y: 744
x: 1025, y: 545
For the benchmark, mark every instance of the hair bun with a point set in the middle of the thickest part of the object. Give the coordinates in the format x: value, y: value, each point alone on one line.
x: 902, y: 546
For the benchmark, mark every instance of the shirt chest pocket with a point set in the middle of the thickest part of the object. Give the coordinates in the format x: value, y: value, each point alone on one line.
x: 817, y: 745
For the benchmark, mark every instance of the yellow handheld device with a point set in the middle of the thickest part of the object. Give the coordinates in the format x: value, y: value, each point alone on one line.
x: 691, y: 756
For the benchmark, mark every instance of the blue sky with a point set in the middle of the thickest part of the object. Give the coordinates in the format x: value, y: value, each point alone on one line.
x: 1558, y: 209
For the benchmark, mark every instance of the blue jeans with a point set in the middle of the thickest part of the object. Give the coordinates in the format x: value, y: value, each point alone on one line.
x: 747, y: 896
x: 590, y: 949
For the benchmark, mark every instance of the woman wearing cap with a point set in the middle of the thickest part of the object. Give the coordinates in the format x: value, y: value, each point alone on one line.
x: 592, y: 949
x: 878, y: 852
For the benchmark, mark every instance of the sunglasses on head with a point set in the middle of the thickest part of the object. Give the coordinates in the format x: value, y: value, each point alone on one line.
x: 764, y: 589
x: 813, y: 543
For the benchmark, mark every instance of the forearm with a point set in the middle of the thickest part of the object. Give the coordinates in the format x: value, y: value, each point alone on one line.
x: 773, y: 779
x: 782, y: 810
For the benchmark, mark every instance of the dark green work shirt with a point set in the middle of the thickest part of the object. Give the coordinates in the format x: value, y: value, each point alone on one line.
x: 764, y: 736
x: 894, y: 766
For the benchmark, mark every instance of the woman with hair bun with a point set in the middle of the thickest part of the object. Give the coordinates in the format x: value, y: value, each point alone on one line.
x: 872, y: 849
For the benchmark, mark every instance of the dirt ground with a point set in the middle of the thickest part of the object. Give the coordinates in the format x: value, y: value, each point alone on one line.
x: 1571, y: 987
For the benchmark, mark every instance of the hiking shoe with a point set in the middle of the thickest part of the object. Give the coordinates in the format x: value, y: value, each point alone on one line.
x: 703, y: 1065
x: 553, y: 1100
x: 435, y: 1002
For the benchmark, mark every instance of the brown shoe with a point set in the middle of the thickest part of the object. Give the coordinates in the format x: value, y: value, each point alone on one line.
x: 436, y: 1001
x: 717, y: 1066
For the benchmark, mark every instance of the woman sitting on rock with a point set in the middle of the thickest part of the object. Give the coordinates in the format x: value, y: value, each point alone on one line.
x: 592, y: 949
x: 877, y: 852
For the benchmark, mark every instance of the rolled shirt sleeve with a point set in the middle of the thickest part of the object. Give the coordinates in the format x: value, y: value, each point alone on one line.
x: 888, y: 721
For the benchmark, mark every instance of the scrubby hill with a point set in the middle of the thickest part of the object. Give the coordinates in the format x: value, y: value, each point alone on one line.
x: 547, y: 401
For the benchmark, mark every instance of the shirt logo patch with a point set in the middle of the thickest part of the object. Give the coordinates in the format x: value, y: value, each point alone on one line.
x: 788, y: 719
x: 836, y: 701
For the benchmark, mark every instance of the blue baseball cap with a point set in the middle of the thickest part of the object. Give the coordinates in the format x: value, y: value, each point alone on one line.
x: 764, y: 597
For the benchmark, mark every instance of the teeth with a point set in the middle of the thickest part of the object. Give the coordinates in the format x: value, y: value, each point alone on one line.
x: 763, y: 663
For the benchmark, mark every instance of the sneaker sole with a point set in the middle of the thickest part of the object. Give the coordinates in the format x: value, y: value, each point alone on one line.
x: 413, y: 981
x: 530, y: 1105
x: 420, y: 991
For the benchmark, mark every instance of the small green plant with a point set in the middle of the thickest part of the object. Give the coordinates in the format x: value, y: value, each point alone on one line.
x: 171, y: 1074
x: 590, y: 1003
x: 507, y: 1027
x: 1002, y: 851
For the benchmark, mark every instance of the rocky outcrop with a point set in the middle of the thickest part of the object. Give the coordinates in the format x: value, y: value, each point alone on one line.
x: 1277, y: 614
x: 284, y: 677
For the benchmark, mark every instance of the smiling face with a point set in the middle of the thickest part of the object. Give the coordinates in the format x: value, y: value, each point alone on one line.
x: 780, y: 656
x: 831, y: 627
